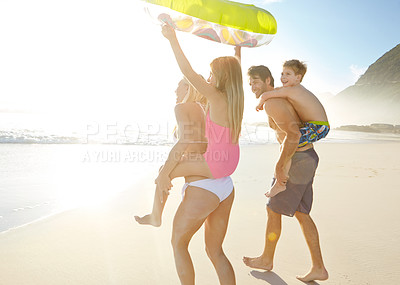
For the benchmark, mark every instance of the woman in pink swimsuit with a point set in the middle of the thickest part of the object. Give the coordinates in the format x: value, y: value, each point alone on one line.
x: 208, y: 192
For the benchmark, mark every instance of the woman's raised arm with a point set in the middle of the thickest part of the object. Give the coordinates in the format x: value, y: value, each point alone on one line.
x: 209, y: 91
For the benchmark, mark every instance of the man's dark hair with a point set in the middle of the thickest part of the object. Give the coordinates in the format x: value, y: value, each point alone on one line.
x: 261, y: 71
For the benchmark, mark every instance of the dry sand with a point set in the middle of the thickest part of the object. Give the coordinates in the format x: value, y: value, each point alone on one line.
x: 357, y: 193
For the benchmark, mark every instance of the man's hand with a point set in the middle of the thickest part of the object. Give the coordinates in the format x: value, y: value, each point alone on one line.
x: 280, y: 175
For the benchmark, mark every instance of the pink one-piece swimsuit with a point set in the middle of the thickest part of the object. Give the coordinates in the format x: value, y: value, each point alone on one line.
x: 222, y: 156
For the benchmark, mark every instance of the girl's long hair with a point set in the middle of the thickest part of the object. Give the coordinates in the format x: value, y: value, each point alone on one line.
x: 193, y: 95
x: 229, y: 80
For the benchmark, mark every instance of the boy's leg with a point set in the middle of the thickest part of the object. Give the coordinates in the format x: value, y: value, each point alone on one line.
x: 307, y: 133
x: 318, y: 270
x: 273, y: 232
x: 278, y: 185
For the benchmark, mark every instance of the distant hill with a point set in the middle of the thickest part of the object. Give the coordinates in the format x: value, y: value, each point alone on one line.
x: 375, y: 97
x: 386, y: 70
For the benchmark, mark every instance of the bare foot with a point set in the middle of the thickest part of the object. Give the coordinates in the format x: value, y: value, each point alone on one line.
x: 258, y: 263
x: 275, y: 189
x: 315, y: 274
x: 148, y: 220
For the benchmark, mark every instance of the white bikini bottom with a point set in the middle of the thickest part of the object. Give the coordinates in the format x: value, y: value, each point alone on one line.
x: 222, y: 187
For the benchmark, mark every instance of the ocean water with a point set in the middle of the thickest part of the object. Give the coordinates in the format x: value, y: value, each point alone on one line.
x: 38, y: 180
x: 47, y: 167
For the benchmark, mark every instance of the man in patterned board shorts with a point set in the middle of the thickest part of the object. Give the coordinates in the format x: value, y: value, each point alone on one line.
x: 297, y: 199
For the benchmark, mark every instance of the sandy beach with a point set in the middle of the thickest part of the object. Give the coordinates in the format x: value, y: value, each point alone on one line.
x: 356, y: 194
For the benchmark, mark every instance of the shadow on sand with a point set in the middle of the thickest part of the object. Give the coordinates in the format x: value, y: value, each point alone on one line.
x: 273, y: 278
x: 269, y: 276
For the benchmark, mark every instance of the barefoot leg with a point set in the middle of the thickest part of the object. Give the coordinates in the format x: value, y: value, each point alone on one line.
x: 216, y: 226
x: 273, y: 232
x: 198, y: 168
x: 190, y: 216
x: 154, y: 218
x: 318, y: 270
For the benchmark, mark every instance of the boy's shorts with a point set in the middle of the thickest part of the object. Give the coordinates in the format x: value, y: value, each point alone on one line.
x: 298, y: 195
x: 313, y: 131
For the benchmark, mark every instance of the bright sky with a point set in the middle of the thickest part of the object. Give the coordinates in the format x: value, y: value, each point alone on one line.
x: 105, y: 59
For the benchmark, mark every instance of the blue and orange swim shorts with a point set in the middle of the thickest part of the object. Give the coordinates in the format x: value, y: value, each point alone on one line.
x: 313, y: 131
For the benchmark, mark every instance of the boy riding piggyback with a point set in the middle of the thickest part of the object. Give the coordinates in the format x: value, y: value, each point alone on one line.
x: 309, y: 109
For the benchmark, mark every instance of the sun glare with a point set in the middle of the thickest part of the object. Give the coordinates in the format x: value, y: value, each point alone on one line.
x: 83, y: 183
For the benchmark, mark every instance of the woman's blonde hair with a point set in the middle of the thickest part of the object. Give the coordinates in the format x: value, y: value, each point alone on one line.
x: 229, y: 80
x: 193, y: 95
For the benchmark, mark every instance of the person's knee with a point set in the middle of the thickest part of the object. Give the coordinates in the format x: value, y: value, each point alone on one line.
x: 178, y: 239
x: 214, y: 252
x: 302, y: 217
x: 272, y: 214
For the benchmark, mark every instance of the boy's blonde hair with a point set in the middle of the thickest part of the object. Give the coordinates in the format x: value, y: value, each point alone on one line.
x: 229, y: 80
x: 299, y: 67
x: 193, y: 95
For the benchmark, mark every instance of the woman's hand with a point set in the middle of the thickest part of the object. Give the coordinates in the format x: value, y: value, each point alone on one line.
x: 164, y: 185
x: 168, y: 32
